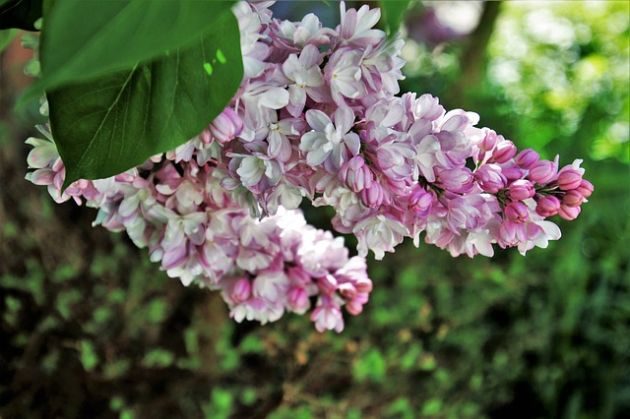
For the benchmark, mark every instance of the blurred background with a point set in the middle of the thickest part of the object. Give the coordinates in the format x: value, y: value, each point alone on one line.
x: 90, y: 328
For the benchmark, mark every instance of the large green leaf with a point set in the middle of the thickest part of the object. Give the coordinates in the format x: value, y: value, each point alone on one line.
x: 86, y: 39
x: 394, y: 13
x: 106, y: 126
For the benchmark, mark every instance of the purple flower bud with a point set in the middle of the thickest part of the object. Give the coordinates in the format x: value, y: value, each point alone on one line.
x: 548, y: 206
x: 490, y: 178
x: 420, y: 201
x: 572, y: 199
x: 347, y: 290
x: 298, y: 275
x: 226, y: 126
x: 328, y: 284
x: 363, y: 285
x: 354, y: 307
x: 373, y: 196
x: 585, y: 189
x: 517, y: 212
x: 504, y: 151
x: 569, y: 178
x: 512, y: 172
x: 569, y: 213
x: 527, y: 158
x: 241, y: 290
x: 543, y: 172
x: 356, y: 174
x: 298, y: 299
x: 458, y: 180
x: 521, y: 189
x: 489, y: 141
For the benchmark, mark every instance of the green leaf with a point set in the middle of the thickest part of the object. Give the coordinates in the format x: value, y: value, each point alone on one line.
x: 432, y: 407
x: 158, y: 358
x: 393, y: 13
x: 252, y: 344
x: 220, y: 405
x: 88, y: 355
x: 20, y: 14
x: 248, y: 396
x: 116, y: 403
x: 87, y: 39
x: 156, y: 310
x: 106, y: 126
x: 222, y: 399
x: 371, y: 366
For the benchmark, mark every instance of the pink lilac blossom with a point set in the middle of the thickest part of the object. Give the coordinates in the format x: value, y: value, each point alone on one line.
x: 318, y: 116
x: 198, y: 230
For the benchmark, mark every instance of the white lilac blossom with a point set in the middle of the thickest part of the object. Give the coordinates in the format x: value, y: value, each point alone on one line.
x: 305, y: 76
x: 329, y: 143
x: 318, y: 116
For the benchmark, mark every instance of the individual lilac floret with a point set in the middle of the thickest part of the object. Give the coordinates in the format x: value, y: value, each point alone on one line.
x: 305, y: 76
x: 356, y: 174
x: 330, y: 142
x: 224, y: 128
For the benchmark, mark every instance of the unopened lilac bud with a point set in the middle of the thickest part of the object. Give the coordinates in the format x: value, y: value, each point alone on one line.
x: 585, y: 189
x: 543, y: 172
x: 521, y: 189
x: 347, y: 290
x: 527, y: 158
x: 226, y: 126
x: 420, y: 201
x: 298, y: 275
x: 504, y: 151
x: 457, y: 180
x: 298, y: 299
x: 512, y: 172
x: 490, y: 178
x: 489, y: 141
x: 354, y: 307
x: 356, y: 174
x: 569, y: 178
x: 373, y: 196
x: 363, y: 285
x: 517, y: 212
x: 328, y: 284
x: 569, y: 213
x: 241, y: 290
x: 548, y: 206
x: 572, y: 199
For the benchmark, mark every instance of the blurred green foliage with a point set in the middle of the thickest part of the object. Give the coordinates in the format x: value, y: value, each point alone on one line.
x: 89, y: 328
x: 556, y: 73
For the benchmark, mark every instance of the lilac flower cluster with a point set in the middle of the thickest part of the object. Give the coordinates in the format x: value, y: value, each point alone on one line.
x: 318, y: 116
x: 196, y: 229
